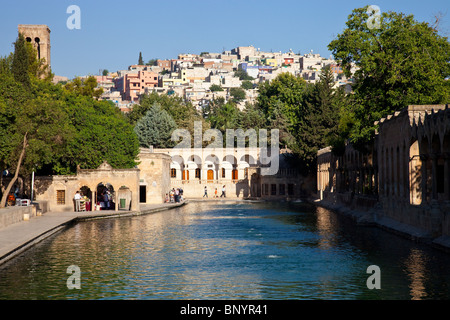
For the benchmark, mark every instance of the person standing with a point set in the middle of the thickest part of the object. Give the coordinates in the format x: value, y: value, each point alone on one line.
x: 223, y: 192
x: 77, y: 199
x: 206, y: 192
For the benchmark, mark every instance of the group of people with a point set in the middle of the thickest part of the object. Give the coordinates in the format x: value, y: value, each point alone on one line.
x: 82, y: 202
x: 174, y: 195
x: 104, y: 201
x: 215, y: 192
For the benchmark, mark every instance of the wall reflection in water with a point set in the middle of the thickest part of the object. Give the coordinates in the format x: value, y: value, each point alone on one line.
x: 416, y: 269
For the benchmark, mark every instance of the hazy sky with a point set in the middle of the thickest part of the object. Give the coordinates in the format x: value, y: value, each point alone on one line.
x: 114, y: 32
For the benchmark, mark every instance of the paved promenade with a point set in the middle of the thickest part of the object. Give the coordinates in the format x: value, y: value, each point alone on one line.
x: 18, y: 237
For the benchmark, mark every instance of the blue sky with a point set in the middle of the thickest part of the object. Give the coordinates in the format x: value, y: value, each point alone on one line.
x: 114, y: 32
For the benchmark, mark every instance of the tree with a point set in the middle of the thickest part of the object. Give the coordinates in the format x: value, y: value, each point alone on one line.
x: 86, y: 87
x: 51, y: 130
x: 237, y: 94
x: 155, y: 128
x: 152, y: 62
x: 253, y: 118
x: 242, y: 75
x: 401, y: 63
x: 215, y: 87
x: 105, y: 72
x: 20, y: 63
x: 224, y: 116
x: 183, y: 113
x: 287, y: 89
x: 246, y: 84
x: 319, y: 126
x: 140, y: 61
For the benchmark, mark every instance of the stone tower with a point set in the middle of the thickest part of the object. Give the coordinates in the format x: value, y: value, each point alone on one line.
x: 39, y: 36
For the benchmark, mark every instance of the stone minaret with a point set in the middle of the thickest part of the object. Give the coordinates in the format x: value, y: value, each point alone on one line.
x: 39, y: 36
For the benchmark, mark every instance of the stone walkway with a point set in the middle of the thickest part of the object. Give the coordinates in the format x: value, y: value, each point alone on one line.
x: 16, y: 238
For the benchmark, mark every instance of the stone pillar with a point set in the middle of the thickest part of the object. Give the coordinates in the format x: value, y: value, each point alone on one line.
x: 424, y: 175
x: 434, y: 179
x: 401, y: 165
x: 376, y: 179
x: 447, y: 175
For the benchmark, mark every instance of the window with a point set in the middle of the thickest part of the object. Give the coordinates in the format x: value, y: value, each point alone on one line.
x: 173, y: 173
x: 266, y: 189
x: 273, y: 189
x: 223, y: 172
x: 197, y: 173
x: 282, y: 189
x: 61, y: 197
x: 290, y: 189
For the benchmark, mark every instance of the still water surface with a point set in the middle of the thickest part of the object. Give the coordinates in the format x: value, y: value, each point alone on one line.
x: 213, y: 250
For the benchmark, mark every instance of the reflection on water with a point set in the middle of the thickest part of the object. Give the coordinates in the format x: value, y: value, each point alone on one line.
x: 416, y: 271
x: 227, y: 251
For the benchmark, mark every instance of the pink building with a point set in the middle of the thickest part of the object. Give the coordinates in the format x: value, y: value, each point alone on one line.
x: 132, y: 85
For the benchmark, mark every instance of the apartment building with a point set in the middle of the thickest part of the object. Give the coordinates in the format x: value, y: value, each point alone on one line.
x: 133, y: 84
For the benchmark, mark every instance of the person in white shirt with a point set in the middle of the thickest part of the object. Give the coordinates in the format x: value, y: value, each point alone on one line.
x: 77, y: 199
x: 223, y: 192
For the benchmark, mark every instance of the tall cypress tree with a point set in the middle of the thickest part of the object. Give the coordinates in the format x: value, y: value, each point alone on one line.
x: 141, y: 61
x: 20, y: 62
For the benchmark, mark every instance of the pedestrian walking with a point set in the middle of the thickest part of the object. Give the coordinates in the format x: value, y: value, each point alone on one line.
x: 206, y: 192
x: 223, y: 192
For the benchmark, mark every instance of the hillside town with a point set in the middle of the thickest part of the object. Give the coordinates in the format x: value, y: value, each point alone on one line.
x: 201, y: 78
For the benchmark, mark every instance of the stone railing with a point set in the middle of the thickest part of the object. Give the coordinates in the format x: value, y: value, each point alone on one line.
x: 15, y: 214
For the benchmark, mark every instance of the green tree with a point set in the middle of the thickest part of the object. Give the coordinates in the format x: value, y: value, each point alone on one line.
x: 224, y: 116
x: 215, y: 87
x: 51, y: 130
x: 287, y: 89
x: 20, y: 63
x: 183, y: 113
x: 252, y: 117
x: 86, y: 87
x: 155, y: 128
x: 140, y: 61
x: 246, y: 84
x: 319, y: 126
x: 237, y: 94
x: 152, y: 62
x: 242, y: 75
x: 401, y: 63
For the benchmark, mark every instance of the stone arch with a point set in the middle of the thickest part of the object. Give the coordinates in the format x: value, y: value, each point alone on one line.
x: 124, y: 196
x: 87, y: 194
x: 105, y: 196
x: 249, y: 159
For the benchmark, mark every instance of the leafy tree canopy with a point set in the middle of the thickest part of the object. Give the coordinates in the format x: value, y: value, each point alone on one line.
x: 401, y: 63
x: 155, y: 128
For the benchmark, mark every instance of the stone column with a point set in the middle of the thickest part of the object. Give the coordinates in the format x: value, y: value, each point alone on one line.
x: 424, y: 175
x: 447, y: 175
x: 401, y: 166
x: 434, y: 158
